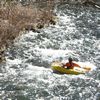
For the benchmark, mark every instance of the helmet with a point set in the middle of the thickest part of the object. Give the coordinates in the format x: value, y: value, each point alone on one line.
x: 70, y: 59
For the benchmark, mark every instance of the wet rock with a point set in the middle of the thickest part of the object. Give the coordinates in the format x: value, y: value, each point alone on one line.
x: 2, y: 55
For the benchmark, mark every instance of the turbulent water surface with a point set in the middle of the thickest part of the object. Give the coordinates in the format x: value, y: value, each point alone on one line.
x: 27, y: 74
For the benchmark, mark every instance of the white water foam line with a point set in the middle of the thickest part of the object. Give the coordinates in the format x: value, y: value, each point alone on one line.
x: 15, y: 61
x: 87, y: 64
x: 34, y: 70
x: 52, y: 54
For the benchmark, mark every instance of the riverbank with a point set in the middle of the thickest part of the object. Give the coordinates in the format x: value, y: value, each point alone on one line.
x: 16, y: 18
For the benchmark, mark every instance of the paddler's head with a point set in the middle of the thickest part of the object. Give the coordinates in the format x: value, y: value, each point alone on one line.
x: 70, y: 59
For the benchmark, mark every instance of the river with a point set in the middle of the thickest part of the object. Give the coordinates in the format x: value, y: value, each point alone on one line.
x: 27, y: 74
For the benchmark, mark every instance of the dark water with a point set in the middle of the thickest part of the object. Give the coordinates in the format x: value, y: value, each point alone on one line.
x: 27, y: 74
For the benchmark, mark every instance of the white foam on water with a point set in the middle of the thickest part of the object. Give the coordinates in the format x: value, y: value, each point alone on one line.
x: 15, y: 61
x: 87, y: 64
x: 34, y: 70
x: 51, y: 52
x: 99, y: 46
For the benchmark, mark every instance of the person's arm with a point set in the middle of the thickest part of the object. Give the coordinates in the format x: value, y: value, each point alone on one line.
x: 63, y: 65
x: 76, y: 65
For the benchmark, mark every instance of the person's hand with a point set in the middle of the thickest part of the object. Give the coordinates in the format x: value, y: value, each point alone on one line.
x: 63, y: 65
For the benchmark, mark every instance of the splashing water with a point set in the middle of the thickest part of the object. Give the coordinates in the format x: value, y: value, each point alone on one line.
x: 27, y: 74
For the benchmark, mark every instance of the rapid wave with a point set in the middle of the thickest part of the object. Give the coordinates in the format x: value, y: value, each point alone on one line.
x: 27, y: 74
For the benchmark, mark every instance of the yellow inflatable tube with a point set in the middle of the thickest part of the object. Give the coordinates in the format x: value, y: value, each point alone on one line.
x: 57, y: 67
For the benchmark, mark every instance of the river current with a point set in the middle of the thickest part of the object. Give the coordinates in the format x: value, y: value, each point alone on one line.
x: 27, y: 74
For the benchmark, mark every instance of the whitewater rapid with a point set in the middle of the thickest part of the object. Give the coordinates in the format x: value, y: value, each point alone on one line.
x: 27, y: 73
